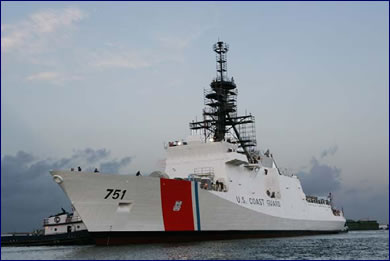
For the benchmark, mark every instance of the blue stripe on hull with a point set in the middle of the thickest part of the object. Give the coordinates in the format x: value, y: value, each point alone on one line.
x: 197, y: 205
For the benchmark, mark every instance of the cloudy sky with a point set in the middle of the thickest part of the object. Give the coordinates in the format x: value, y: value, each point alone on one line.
x: 106, y: 84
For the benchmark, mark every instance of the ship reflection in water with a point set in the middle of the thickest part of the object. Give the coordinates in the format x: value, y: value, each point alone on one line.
x: 352, y: 245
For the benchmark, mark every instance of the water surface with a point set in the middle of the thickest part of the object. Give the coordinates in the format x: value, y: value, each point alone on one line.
x: 352, y: 245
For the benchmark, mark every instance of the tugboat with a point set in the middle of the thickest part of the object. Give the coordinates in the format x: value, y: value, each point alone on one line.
x: 61, y: 229
x: 216, y: 185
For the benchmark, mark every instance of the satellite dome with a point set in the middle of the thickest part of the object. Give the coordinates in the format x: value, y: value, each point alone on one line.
x: 159, y: 174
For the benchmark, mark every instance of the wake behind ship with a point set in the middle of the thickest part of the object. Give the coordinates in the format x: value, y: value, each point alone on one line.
x: 216, y: 185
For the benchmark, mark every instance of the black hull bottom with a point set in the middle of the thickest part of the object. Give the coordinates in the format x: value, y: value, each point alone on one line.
x: 121, y: 238
x: 73, y: 238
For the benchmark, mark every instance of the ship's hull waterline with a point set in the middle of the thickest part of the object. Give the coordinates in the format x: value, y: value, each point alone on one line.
x: 147, y: 237
x: 120, y: 209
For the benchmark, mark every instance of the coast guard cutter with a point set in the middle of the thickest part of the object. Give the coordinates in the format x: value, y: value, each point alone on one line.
x: 216, y: 185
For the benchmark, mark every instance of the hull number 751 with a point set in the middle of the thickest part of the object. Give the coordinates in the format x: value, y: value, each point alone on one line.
x: 115, y: 194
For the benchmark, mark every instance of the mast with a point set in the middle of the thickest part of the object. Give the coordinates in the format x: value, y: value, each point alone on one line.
x: 220, y: 120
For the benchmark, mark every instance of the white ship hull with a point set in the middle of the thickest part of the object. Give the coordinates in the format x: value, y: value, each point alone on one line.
x: 149, y: 210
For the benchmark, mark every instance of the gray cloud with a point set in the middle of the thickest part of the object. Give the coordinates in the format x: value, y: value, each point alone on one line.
x: 28, y: 193
x: 92, y: 155
x: 115, y: 165
x: 365, y: 204
x: 360, y: 202
x: 320, y: 179
x: 331, y: 151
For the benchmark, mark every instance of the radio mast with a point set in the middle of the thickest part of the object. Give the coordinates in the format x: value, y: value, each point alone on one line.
x: 220, y: 120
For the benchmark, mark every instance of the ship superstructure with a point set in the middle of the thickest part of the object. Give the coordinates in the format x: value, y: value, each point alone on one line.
x: 216, y: 185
